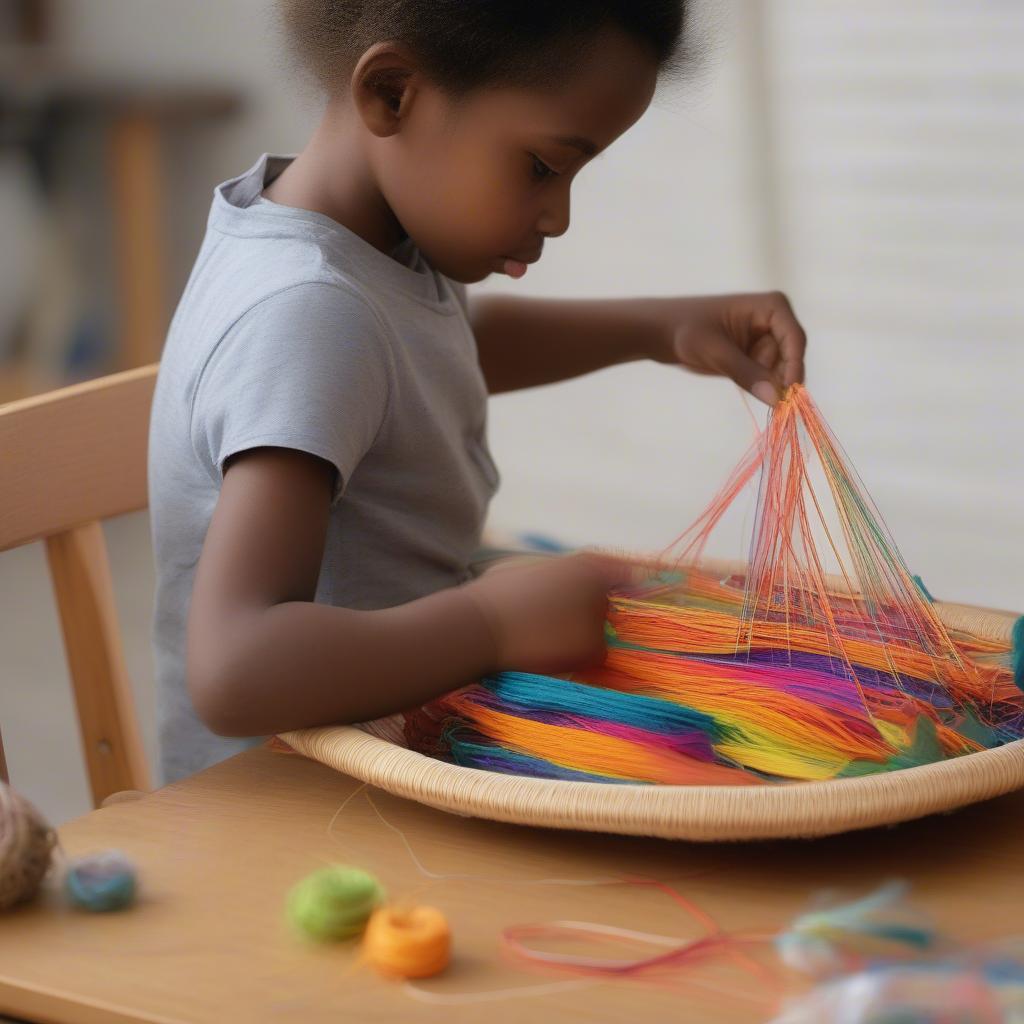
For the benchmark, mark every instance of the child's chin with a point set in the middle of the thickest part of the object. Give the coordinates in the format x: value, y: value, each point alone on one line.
x: 465, y: 276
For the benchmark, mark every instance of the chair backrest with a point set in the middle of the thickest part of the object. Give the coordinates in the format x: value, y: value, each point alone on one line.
x: 69, y: 459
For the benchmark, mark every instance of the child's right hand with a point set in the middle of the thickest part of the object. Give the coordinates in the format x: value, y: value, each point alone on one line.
x: 547, y: 613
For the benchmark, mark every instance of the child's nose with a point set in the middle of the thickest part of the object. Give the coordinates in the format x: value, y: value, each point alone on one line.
x: 555, y: 220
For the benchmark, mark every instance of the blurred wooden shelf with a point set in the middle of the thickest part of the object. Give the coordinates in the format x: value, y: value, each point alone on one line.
x: 41, y: 91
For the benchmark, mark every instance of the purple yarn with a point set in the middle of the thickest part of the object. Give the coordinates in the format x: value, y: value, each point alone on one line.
x: 832, y: 672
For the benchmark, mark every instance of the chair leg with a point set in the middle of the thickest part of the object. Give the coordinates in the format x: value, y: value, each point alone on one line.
x: 112, y: 744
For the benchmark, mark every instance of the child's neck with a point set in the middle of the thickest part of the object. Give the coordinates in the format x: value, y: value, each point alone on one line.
x: 331, y: 176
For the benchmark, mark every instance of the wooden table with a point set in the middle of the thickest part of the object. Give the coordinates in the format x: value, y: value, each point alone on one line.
x: 217, y: 852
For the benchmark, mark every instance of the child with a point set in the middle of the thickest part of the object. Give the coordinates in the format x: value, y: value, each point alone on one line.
x: 319, y: 469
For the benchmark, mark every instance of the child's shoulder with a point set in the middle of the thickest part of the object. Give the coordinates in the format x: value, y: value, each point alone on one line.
x: 255, y: 250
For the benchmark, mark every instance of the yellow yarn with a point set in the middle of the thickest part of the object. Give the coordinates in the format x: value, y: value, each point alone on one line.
x: 413, y: 943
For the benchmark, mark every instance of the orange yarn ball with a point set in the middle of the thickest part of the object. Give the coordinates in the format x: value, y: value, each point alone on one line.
x: 413, y: 943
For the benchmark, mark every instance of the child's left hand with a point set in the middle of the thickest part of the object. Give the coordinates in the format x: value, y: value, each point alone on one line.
x: 756, y: 340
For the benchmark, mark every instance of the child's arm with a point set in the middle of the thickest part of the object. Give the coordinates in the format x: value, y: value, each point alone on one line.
x: 263, y: 658
x: 753, y: 339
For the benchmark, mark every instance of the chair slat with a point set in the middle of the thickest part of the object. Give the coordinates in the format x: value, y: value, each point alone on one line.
x: 114, y: 754
x: 74, y: 455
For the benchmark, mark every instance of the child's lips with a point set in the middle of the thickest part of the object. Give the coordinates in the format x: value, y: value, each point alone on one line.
x: 516, y: 268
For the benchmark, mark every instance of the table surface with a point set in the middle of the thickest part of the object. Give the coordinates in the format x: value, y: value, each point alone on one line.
x: 217, y: 852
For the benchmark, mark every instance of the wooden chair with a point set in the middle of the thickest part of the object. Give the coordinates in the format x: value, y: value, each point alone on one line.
x: 69, y: 459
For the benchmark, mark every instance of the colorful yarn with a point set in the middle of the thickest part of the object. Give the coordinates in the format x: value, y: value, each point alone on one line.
x: 878, y: 960
x: 101, y: 882
x: 26, y: 848
x: 848, y: 937
x: 334, y: 902
x: 407, y: 943
x: 780, y: 672
x: 919, y: 993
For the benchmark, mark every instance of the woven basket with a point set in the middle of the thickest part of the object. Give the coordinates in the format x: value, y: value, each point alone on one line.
x: 374, y: 753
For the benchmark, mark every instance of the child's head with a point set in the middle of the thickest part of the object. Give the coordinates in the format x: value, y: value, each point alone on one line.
x: 474, y: 116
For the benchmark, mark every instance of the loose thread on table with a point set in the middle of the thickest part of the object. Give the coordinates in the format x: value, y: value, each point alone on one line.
x: 644, y: 969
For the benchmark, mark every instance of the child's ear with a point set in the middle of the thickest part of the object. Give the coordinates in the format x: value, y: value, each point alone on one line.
x: 383, y: 85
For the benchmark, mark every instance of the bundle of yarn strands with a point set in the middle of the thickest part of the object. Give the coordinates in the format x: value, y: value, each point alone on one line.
x: 819, y: 657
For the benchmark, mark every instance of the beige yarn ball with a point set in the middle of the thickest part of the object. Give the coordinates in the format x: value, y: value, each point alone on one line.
x: 26, y: 843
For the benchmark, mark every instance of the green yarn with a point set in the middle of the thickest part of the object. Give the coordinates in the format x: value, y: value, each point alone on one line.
x: 334, y: 902
x: 924, y: 749
x: 1017, y: 652
x: 923, y: 589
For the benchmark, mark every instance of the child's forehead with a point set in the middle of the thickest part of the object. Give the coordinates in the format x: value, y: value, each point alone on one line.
x: 580, y: 115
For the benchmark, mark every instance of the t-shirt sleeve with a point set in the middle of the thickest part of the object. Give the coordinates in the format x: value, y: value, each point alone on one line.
x: 306, y: 368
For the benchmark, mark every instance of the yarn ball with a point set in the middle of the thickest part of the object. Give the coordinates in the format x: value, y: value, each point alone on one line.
x: 101, y: 881
x: 843, y: 938
x: 26, y: 846
x: 413, y: 943
x: 334, y: 902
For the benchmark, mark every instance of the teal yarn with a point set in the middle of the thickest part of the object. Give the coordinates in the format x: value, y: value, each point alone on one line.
x: 334, y: 902
x: 543, y: 542
x: 101, y: 882
x: 549, y: 693
x: 1017, y: 652
x: 923, y: 589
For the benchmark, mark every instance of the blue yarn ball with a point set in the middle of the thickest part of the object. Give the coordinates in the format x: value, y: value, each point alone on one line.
x: 101, y: 881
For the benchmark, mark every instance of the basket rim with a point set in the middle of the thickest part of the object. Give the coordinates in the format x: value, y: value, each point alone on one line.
x: 708, y: 813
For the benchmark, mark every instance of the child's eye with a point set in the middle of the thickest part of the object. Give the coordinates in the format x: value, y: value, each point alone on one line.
x: 541, y: 171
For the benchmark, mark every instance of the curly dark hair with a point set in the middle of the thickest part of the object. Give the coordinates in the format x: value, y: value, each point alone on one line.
x: 465, y: 44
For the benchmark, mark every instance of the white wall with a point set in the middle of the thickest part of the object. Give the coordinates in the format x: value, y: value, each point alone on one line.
x: 898, y: 135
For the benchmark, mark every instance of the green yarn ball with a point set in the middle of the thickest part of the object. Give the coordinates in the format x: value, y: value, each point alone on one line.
x: 334, y: 902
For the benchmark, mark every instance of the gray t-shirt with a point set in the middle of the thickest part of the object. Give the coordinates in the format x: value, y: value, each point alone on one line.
x: 294, y: 331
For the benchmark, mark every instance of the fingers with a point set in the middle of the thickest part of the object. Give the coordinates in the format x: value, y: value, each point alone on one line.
x: 789, y: 336
x: 765, y: 351
x: 614, y: 571
x: 728, y: 359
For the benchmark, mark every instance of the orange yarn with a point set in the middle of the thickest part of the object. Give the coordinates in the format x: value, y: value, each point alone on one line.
x: 407, y: 943
x: 610, y: 755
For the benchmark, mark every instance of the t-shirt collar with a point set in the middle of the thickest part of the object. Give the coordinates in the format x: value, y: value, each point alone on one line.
x: 238, y: 208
